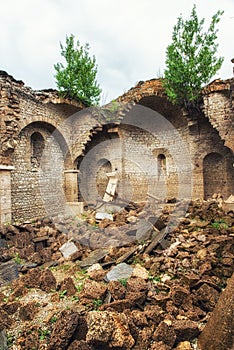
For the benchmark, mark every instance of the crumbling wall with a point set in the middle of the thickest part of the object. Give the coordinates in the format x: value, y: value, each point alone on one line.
x: 24, y: 112
x: 219, y: 108
x: 147, y: 159
x: 37, y: 184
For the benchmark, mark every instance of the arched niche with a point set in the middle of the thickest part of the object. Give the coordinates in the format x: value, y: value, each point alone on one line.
x: 104, y: 167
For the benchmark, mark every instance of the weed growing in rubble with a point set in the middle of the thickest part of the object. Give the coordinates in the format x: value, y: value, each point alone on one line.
x: 53, y: 319
x: 64, y: 268
x: 62, y: 294
x: 97, y: 303
x: 123, y: 281
x: 10, y: 339
x: 82, y: 274
x: 219, y: 224
x: 79, y: 287
x: 17, y: 259
x: 154, y: 279
x: 43, y: 333
x: 137, y: 261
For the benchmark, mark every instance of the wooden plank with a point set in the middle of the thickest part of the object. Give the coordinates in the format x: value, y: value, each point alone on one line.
x: 157, y: 240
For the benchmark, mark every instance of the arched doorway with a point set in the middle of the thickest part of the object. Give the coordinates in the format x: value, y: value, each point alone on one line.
x: 104, y: 167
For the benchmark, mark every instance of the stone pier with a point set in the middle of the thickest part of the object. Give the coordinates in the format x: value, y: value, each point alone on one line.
x: 5, y: 194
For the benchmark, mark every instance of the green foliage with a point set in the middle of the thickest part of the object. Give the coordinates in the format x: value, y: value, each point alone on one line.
x: 53, y: 319
x: 154, y: 279
x: 219, y: 224
x: 77, y: 79
x: 123, y: 281
x: 10, y: 339
x: 97, y: 303
x: 191, y: 59
x: 17, y: 259
x: 43, y: 333
x: 80, y: 287
x: 62, y: 294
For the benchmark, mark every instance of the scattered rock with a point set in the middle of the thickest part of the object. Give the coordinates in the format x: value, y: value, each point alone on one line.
x: 162, y: 302
x: 109, y: 329
x: 47, y: 281
x: 27, y: 312
x: 68, y: 286
x: 81, y: 345
x: 93, y: 258
x: 63, y: 330
x: 144, y: 231
x: 3, y: 340
x: 165, y: 333
x: 219, y: 331
x: 68, y: 249
x: 121, y: 271
x: 185, y: 330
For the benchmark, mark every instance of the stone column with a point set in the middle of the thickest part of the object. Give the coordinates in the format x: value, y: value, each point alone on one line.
x: 73, y: 207
x: 5, y: 194
x: 71, y: 185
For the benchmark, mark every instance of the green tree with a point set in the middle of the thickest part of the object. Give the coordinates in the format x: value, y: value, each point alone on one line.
x: 191, y: 59
x: 77, y: 79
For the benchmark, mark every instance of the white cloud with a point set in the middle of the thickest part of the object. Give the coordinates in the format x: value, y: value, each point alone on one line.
x: 128, y: 37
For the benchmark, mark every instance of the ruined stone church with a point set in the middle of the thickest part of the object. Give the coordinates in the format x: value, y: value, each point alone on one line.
x: 56, y: 154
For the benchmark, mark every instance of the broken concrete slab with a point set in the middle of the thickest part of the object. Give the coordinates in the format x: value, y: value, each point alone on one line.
x: 144, y: 231
x: 158, y: 238
x: 228, y: 204
x: 3, y: 340
x: 8, y: 272
x: 3, y: 243
x: 120, y: 271
x: 68, y: 249
x: 93, y: 258
x: 103, y: 215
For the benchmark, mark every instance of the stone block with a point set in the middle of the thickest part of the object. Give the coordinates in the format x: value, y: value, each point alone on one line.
x: 74, y: 208
x: 219, y: 331
x: 68, y: 249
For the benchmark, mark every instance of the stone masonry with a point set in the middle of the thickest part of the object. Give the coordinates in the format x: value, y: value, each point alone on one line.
x: 55, y: 152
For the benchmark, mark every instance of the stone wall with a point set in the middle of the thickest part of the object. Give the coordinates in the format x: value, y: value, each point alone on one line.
x: 25, y: 113
x: 219, y: 108
x: 37, y: 184
x: 153, y: 146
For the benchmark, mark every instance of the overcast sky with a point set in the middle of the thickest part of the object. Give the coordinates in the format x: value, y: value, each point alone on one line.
x: 128, y: 37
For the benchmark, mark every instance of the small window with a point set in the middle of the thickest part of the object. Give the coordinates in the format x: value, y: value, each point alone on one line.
x: 161, y: 164
x: 37, y: 147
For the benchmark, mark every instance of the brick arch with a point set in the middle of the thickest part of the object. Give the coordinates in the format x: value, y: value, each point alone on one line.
x: 54, y: 128
x: 160, y: 104
x: 38, y: 119
x: 151, y: 94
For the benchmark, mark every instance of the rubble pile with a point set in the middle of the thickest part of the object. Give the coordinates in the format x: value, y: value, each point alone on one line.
x: 139, y: 281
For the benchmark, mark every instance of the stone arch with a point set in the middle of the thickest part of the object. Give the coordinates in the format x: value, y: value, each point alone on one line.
x: 214, y: 174
x: 101, y: 154
x: 40, y: 158
x: 53, y: 128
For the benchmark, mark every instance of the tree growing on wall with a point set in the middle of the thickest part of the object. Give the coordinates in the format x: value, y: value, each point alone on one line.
x: 191, y: 59
x: 77, y: 78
